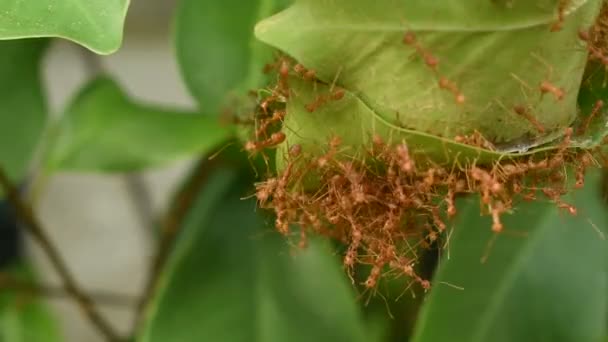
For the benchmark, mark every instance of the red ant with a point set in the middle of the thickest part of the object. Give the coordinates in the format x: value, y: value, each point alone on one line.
x: 497, y: 209
x: 274, y: 140
x: 594, y: 52
x: 372, y: 279
x: 334, y: 143
x: 570, y: 208
x: 322, y: 99
x: 432, y: 62
x: 444, y: 83
x: 596, y: 109
x: 284, y: 76
x: 406, y: 164
x: 561, y: 16
x: 523, y: 112
x: 584, y: 35
x: 277, y: 116
x: 547, y: 87
x: 295, y: 150
x: 306, y: 74
x: 585, y: 161
x: 265, y: 190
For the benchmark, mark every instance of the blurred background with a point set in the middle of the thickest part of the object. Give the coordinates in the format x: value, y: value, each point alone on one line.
x: 103, y: 225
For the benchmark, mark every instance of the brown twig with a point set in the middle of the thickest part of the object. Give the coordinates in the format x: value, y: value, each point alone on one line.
x: 140, y: 196
x: 8, y: 282
x: 170, y: 226
x: 25, y: 213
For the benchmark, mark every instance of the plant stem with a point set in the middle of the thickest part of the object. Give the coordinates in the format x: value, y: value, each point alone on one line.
x: 140, y: 196
x: 170, y: 226
x: 34, y: 227
x: 8, y: 282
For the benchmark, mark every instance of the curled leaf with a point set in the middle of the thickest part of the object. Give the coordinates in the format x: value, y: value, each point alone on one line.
x: 509, y: 70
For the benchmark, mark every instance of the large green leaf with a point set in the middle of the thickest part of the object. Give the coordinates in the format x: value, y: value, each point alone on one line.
x: 232, y: 279
x: 496, y: 53
x: 96, y: 24
x: 546, y: 281
x: 22, y: 104
x: 105, y: 131
x: 218, y: 56
x: 23, y: 317
x: 353, y: 121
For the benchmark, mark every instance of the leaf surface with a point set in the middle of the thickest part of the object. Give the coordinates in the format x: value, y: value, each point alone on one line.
x: 544, y: 280
x: 96, y: 24
x: 494, y: 53
x: 232, y: 279
x: 218, y: 56
x: 23, y: 107
x: 104, y: 131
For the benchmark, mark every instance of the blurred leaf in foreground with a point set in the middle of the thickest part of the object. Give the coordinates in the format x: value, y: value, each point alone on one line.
x: 232, y: 279
x: 216, y: 50
x: 23, y: 316
x: 23, y: 111
x: 104, y: 131
x: 544, y: 279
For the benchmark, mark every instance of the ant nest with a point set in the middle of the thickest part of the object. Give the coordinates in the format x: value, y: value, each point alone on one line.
x: 388, y: 204
x: 392, y: 203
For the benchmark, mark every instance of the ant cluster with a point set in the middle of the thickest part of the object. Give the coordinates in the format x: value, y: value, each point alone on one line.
x: 271, y: 112
x: 389, y: 205
x: 391, y: 202
x: 596, y: 36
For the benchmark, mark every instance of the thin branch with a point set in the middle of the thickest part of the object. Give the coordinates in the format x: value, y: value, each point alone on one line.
x: 141, y: 198
x: 170, y: 226
x: 8, y: 282
x: 33, y: 226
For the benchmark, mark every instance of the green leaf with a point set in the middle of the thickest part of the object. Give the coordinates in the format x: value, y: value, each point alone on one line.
x: 218, y: 57
x: 232, y: 279
x: 593, y: 90
x: 356, y: 124
x: 25, y: 318
x: 544, y: 280
x: 95, y: 24
x: 22, y: 104
x: 105, y: 131
x: 496, y: 53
